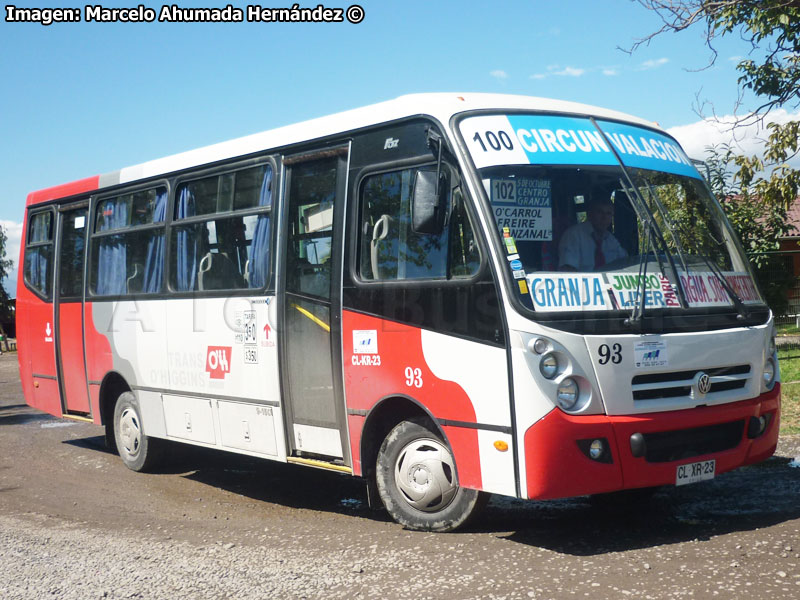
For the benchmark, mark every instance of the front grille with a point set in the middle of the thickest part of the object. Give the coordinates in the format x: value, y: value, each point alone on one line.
x: 678, y: 384
x: 668, y: 446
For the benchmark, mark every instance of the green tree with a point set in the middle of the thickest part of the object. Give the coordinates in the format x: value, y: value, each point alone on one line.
x: 755, y: 191
x: 5, y: 268
x: 756, y: 206
x: 771, y: 27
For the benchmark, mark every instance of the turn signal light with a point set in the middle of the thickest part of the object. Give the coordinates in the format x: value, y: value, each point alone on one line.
x: 501, y: 445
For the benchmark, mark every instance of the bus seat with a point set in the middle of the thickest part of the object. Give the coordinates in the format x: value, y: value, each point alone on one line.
x: 217, y: 272
x: 135, y: 281
x: 379, y: 233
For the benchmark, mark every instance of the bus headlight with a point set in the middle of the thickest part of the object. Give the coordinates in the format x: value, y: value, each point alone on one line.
x: 549, y: 366
x: 769, y: 373
x: 567, y: 394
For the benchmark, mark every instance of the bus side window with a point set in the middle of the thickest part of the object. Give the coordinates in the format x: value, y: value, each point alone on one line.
x: 389, y: 248
x: 226, y: 251
x: 465, y: 258
x: 128, y: 243
x: 39, y: 254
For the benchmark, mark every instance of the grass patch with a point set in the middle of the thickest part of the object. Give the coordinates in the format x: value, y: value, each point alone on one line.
x: 787, y: 329
x: 790, y: 392
x: 790, y: 409
x: 789, y: 360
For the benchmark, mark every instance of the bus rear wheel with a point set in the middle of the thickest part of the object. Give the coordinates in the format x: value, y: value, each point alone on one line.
x: 138, y: 451
x: 416, y: 479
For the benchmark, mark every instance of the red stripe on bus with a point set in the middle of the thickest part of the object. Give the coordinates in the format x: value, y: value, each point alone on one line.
x: 65, y: 189
x: 392, y: 364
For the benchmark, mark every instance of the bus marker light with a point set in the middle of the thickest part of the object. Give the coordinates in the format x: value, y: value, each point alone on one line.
x: 501, y: 445
x: 596, y: 449
x: 756, y: 426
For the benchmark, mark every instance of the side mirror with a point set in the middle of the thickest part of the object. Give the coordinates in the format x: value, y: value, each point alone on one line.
x: 429, y: 202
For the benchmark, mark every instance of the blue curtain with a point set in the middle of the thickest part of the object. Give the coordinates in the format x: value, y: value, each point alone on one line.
x: 112, y: 261
x: 154, y: 264
x: 259, y: 249
x: 186, y: 247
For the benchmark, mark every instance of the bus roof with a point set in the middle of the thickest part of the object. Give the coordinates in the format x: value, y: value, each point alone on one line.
x: 441, y: 106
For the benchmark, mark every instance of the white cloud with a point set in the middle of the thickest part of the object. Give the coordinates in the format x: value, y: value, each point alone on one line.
x: 499, y: 74
x: 653, y: 64
x: 13, y: 233
x: 610, y: 71
x: 697, y: 137
x: 570, y: 72
x: 557, y: 70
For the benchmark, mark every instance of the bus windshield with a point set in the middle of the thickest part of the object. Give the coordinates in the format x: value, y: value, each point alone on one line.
x: 583, y: 232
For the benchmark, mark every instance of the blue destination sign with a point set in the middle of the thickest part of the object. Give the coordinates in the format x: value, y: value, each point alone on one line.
x: 561, y: 140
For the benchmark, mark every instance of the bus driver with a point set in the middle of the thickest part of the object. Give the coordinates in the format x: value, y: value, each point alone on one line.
x: 588, y: 246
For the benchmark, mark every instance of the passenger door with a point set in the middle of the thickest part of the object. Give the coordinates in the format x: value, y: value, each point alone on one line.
x: 71, y: 250
x: 35, y: 306
x: 311, y: 304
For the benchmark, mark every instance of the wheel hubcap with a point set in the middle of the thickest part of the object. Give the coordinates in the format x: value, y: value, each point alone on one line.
x: 425, y: 475
x: 130, y: 432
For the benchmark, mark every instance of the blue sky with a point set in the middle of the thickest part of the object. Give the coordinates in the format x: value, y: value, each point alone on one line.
x: 88, y: 98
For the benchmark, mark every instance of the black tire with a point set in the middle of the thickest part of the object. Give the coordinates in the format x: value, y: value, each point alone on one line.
x: 416, y: 478
x: 138, y: 451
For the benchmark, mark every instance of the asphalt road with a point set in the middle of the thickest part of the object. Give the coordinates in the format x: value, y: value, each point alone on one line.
x: 75, y: 523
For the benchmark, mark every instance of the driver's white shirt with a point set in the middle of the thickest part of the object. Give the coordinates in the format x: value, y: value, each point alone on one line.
x: 577, y: 246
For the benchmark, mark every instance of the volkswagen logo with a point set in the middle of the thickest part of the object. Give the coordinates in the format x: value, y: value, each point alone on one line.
x: 703, y: 383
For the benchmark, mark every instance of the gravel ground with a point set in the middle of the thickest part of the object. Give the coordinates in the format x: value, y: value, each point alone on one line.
x: 74, y: 523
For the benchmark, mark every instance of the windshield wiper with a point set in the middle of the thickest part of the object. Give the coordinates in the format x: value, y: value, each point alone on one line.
x: 738, y: 303
x: 645, y: 216
x: 637, y: 313
x: 668, y: 221
x: 741, y: 308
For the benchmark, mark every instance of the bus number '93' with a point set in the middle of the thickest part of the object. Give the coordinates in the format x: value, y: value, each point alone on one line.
x: 496, y: 141
x: 614, y: 354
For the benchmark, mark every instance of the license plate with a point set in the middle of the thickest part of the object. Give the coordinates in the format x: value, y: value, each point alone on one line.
x: 694, y: 472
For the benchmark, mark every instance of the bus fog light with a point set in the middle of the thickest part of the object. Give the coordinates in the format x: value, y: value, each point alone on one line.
x: 756, y: 426
x: 540, y: 346
x: 567, y: 394
x: 596, y: 449
x: 549, y: 366
x: 769, y: 372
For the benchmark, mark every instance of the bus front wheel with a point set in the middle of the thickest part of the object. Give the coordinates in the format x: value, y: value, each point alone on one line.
x: 416, y: 479
x: 138, y: 451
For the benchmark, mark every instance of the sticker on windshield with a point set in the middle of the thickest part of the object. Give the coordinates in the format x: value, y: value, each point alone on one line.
x: 704, y: 289
x: 658, y: 291
x: 742, y: 285
x: 569, y: 292
x: 524, y: 207
x: 650, y: 354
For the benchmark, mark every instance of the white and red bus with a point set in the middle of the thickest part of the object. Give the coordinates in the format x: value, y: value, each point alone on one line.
x: 446, y: 295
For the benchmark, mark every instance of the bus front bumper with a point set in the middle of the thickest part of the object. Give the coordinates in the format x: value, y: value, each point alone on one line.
x: 558, y: 464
